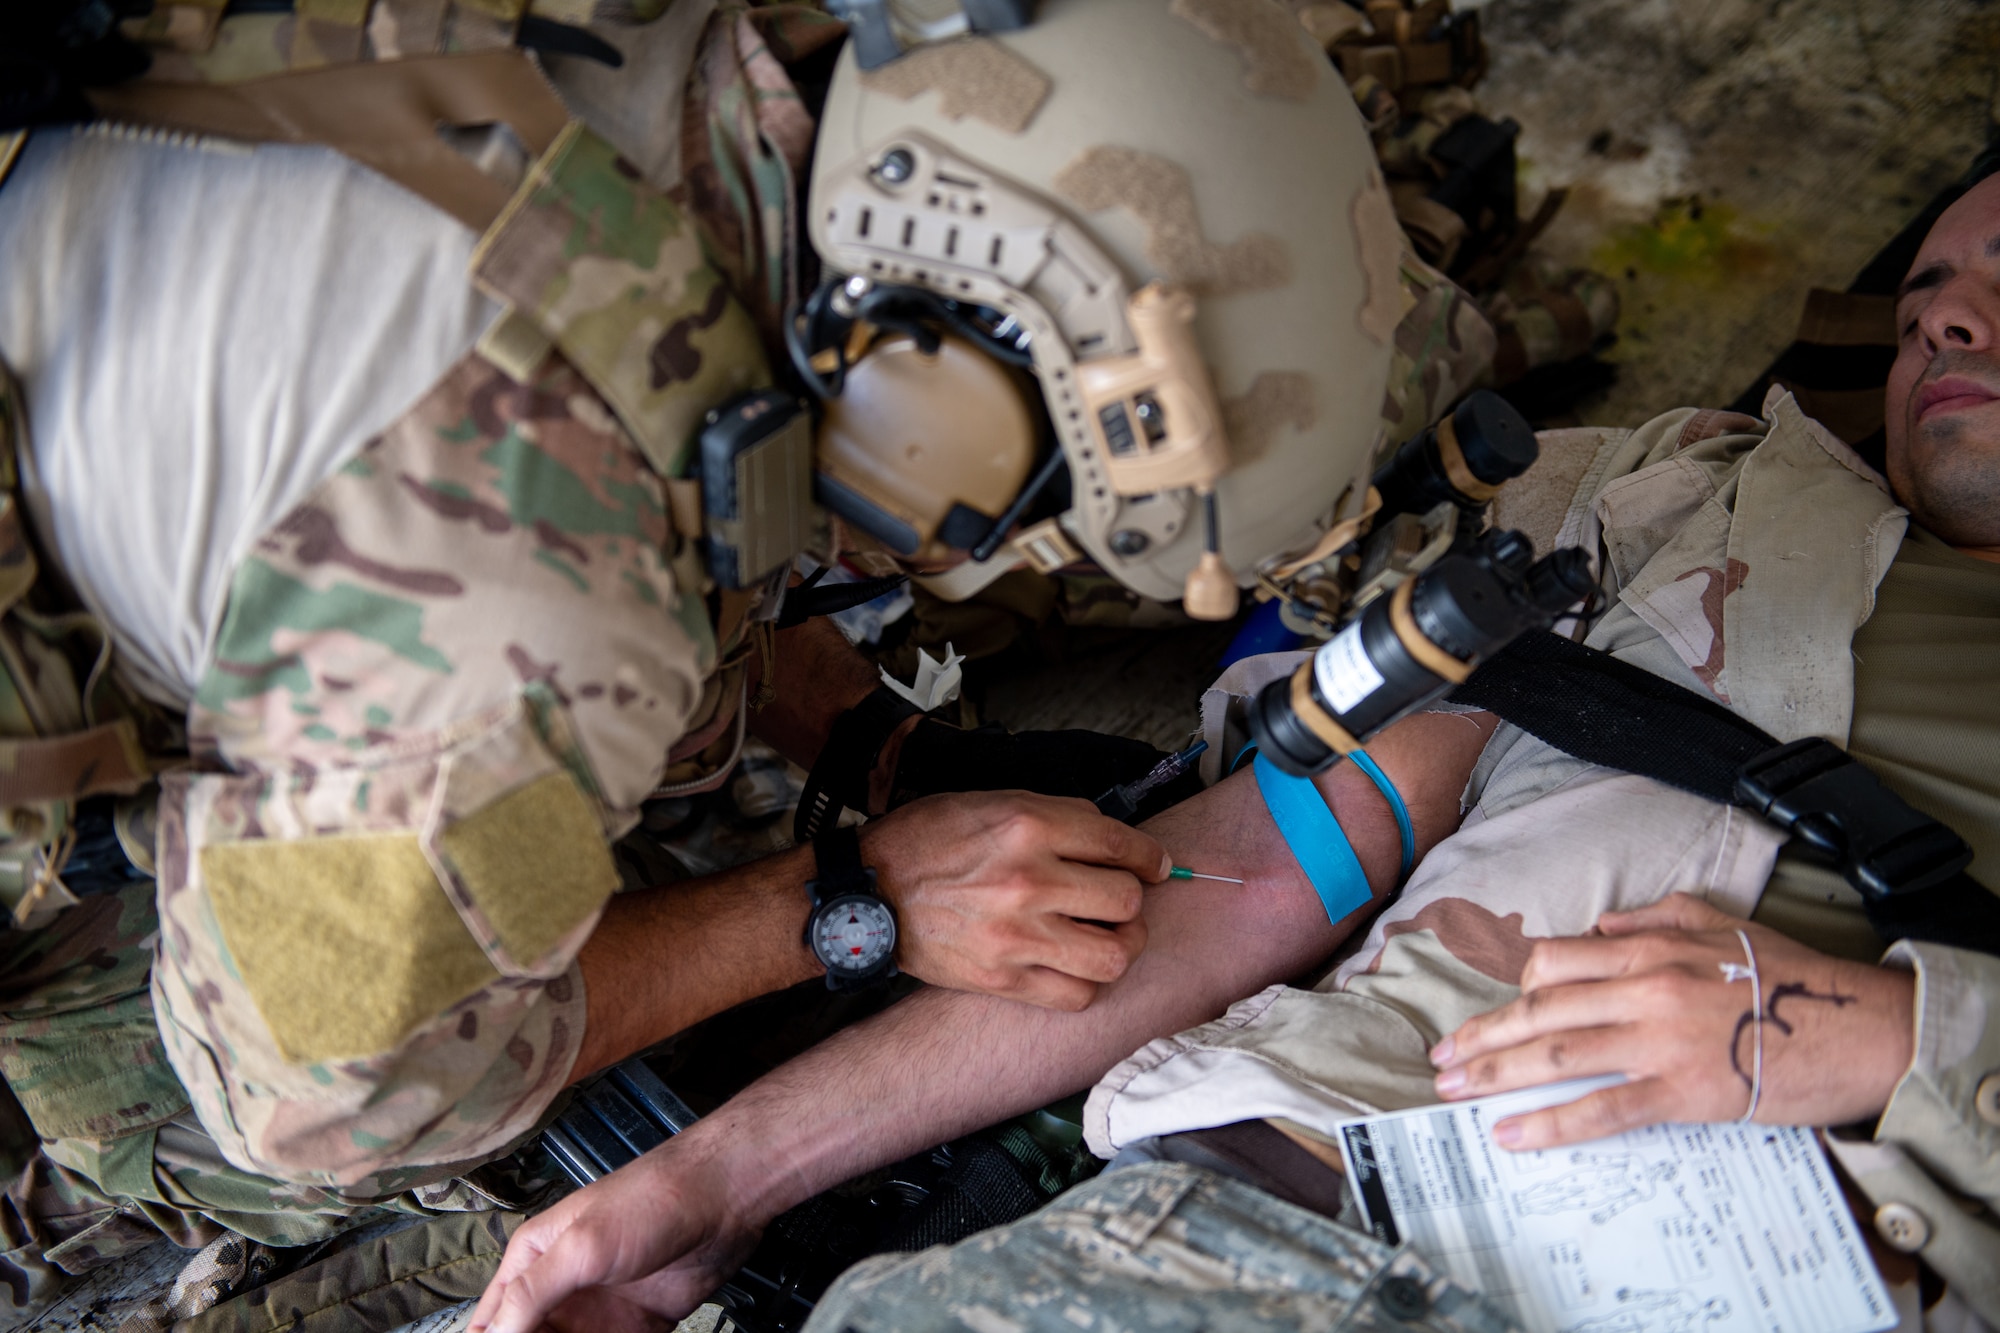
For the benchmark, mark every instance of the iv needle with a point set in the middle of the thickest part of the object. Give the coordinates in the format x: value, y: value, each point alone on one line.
x: 1182, y: 872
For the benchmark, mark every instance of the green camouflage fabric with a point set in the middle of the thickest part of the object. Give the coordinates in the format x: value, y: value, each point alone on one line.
x: 746, y: 137
x: 106, y: 1199
x: 1161, y: 1245
x: 1444, y: 348
x: 78, y: 1045
x: 614, y: 275
x: 384, y: 1281
x: 1546, y: 314
x: 462, y: 660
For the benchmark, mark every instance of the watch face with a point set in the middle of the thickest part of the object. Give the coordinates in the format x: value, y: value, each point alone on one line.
x: 854, y: 934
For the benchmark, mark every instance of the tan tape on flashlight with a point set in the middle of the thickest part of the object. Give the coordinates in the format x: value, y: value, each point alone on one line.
x: 1453, y: 457
x: 1318, y: 721
x: 1429, y: 656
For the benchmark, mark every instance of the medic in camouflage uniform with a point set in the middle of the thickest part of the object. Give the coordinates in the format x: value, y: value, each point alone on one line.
x: 398, y: 697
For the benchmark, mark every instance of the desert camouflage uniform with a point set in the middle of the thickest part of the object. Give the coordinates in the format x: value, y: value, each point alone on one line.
x: 443, y: 684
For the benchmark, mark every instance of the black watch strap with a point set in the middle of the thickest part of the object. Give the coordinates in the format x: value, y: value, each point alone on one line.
x: 839, y: 777
x: 837, y: 856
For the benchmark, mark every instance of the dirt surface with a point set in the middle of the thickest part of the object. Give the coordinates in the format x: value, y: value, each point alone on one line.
x: 1724, y: 156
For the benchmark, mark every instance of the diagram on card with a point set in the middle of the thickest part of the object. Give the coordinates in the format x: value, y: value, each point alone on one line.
x: 1671, y: 1229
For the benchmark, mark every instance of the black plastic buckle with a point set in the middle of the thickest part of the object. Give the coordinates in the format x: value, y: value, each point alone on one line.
x: 1837, y: 808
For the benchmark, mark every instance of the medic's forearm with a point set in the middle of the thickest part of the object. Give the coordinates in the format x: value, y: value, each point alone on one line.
x: 661, y: 960
x: 941, y: 1064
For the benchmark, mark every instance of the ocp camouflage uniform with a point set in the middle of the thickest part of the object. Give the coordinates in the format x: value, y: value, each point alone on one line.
x: 444, y: 682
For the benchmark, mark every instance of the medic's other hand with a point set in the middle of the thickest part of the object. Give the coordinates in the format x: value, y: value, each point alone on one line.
x: 1028, y: 897
x: 639, y: 1249
x: 1647, y: 997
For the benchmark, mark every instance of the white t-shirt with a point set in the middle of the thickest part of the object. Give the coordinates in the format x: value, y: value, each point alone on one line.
x: 202, y: 334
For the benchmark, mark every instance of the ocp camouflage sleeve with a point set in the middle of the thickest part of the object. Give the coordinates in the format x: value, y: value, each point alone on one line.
x: 442, y: 684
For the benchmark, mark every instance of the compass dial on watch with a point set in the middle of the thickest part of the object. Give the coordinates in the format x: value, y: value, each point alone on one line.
x: 854, y: 934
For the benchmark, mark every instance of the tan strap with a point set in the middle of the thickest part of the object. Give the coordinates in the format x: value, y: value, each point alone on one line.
x: 384, y: 115
x: 327, y: 32
x: 1452, y: 454
x: 684, y: 503
x: 1429, y: 656
x: 1335, y: 537
x: 105, y: 760
x: 1318, y: 721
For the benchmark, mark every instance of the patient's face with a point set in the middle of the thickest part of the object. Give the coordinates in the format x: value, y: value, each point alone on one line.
x: 1943, y: 411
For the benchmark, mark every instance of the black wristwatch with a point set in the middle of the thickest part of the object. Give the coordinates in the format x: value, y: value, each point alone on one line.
x: 852, y: 930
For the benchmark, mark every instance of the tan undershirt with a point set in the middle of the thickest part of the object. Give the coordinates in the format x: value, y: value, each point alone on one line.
x: 1926, y: 722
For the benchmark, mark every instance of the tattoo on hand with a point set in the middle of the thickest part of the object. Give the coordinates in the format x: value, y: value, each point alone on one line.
x: 1784, y: 990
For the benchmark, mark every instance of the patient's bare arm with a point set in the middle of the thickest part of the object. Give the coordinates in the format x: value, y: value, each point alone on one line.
x: 665, y: 1229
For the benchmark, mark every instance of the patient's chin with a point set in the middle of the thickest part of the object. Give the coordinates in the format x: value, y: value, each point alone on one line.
x: 1952, y: 487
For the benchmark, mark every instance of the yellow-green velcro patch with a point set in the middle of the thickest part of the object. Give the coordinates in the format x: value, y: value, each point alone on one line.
x: 346, y: 943
x: 534, y: 862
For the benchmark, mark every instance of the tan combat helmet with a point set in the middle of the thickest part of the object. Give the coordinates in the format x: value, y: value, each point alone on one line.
x: 1175, y: 209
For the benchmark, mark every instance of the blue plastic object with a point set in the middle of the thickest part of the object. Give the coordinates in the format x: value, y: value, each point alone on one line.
x: 1262, y: 633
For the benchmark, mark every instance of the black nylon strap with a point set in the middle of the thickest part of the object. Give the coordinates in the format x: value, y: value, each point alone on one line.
x: 1604, y: 711
x: 837, y: 859
x: 839, y: 777
x: 810, y: 598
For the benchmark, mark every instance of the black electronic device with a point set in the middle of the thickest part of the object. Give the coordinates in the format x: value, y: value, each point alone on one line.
x: 1410, y: 647
x: 756, y: 459
x: 1463, y: 459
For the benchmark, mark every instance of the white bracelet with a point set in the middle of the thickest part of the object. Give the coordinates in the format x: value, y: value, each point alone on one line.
x: 1738, y: 972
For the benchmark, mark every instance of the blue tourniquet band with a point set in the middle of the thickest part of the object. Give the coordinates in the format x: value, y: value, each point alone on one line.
x: 1316, y: 839
x: 1396, y: 807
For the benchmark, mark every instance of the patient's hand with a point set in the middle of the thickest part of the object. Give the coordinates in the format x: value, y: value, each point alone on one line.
x: 1648, y: 997
x: 640, y: 1249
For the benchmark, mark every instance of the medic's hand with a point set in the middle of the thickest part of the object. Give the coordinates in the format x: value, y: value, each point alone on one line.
x: 1029, y: 897
x: 639, y: 1249
x: 1646, y: 996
